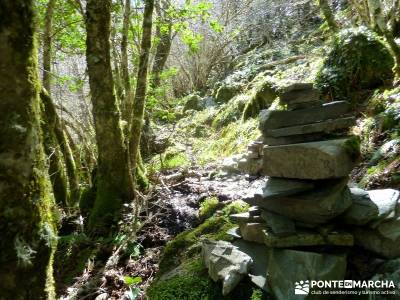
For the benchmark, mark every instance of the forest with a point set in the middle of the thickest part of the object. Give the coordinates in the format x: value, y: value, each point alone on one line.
x: 199, y: 149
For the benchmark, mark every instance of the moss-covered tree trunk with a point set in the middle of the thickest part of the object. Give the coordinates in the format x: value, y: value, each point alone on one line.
x: 141, y: 87
x: 127, y: 100
x: 47, y: 45
x: 328, y: 15
x: 57, y: 171
x: 164, y: 43
x: 113, y: 187
x: 27, y: 227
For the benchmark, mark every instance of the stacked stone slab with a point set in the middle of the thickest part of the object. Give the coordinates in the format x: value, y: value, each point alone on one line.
x: 306, y: 204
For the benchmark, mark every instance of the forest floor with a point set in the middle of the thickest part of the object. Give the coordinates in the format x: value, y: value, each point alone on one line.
x: 173, y: 206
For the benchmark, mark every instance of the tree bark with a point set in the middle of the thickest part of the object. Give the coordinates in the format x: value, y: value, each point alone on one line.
x: 127, y: 99
x: 141, y: 86
x: 112, y: 178
x: 47, y: 45
x: 163, y: 48
x: 328, y: 15
x: 28, y: 230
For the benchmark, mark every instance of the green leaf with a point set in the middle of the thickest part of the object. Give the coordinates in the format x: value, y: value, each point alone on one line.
x: 132, y: 280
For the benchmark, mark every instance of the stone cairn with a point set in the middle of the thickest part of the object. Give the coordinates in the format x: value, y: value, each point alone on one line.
x: 304, y: 220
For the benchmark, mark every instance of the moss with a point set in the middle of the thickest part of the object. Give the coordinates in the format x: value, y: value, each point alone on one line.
x: 177, y: 250
x: 232, y: 139
x: 358, y: 60
x: 230, y: 112
x: 352, y: 147
x: 208, y: 207
x: 235, y: 207
x: 263, y: 95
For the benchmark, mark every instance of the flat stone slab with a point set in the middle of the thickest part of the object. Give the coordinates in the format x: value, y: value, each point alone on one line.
x: 234, y: 232
x: 328, y: 200
x: 254, y: 211
x: 278, y: 187
x: 314, y: 160
x: 324, y: 127
x: 289, y: 271
x: 252, y: 232
x: 387, y: 201
x: 273, y: 119
x: 307, y: 238
x: 298, y: 93
x: 294, y: 139
x: 280, y: 225
x: 246, y: 217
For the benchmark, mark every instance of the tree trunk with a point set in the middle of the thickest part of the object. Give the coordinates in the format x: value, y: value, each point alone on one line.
x: 127, y: 99
x: 112, y: 178
x: 57, y: 171
x: 163, y: 48
x: 141, y: 86
x: 328, y: 15
x: 47, y: 45
x: 28, y: 230
x: 395, y: 49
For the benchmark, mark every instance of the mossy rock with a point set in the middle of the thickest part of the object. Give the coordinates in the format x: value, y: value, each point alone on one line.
x: 226, y: 92
x: 192, y: 102
x: 230, y: 112
x: 357, y: 61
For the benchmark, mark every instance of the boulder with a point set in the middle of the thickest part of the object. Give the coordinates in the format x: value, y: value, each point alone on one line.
x: 303, y: 105
x: 386, y: 200
x: 290, y: 270
x: 324, y: 127
x: 193, y: 102
x: 298, y: 93
x: 305, y: 238
x: 273, y: 119
x: 252, y: 232
x: 279, y: 187
x: 383, y: 240
x: 280, y: 225
x: 327, y: 201
x: 314, y: 160
x: 225, y: 262
x: 362, y: 209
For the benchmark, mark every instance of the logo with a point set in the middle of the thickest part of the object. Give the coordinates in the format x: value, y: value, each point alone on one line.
x: 302, y: 287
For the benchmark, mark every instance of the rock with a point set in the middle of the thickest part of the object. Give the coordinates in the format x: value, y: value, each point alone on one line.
x: 305, y: 238
x: 328, y: 200
x: 295, y: 139
x: 208, y: 102
x: 362, y: 210
x: 193, y: 102
x: 278, y: 187
x: 383, y: 240
x: 290, y: 269
x: 226, y: 92
x: 103, y: 296
x: 252, y: 232
x: 246, y: 218
x: 386, y: 200
x: 225, y: 262
x: 256, y: 147
x: 230, y: 164
x: 298, y: 93
x: 303, y: 105
x: 259, y: 253
x: 389, y: 271
x: 250, y: 166
x: 325, y: 127
x: 273, y: 119
x: 234, y: 232
x: 252, y: 155
x: 280, y: 225
x: 314, y: 160
x: 254, y: 211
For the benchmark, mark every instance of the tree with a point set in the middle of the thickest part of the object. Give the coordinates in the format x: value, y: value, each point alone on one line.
x: 328, y: 15
x: 47, y: 45
x: 27, y: 226
x: 382, y: 18
x: 113, y: 188
x: 141, y: 87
